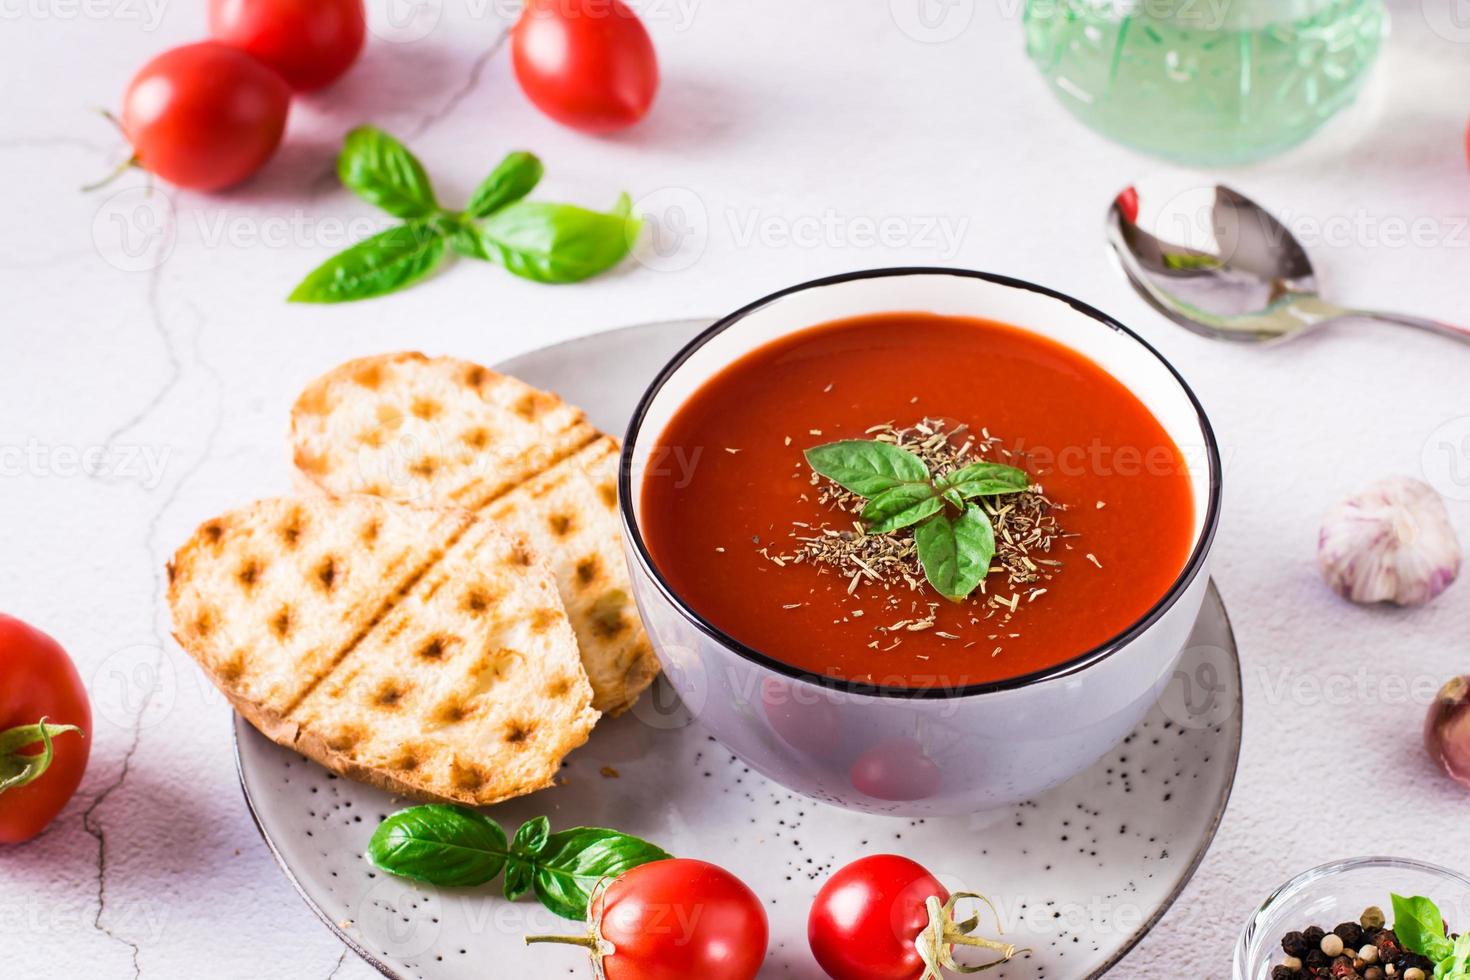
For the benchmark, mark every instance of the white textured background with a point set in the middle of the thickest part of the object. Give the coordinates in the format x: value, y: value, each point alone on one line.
x: 774, y: 116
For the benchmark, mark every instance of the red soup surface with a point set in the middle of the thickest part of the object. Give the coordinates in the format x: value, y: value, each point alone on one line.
x: 727, y: 488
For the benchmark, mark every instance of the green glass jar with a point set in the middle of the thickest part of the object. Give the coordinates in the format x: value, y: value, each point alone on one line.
x: 1205, y: 81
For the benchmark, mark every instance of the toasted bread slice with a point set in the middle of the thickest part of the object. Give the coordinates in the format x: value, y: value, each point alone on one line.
x: 429, y: 430
x: 440, y: 663
x: 268, y: 597
x: 560, y: 494
x: 470, y: 689
x: 569, y: 513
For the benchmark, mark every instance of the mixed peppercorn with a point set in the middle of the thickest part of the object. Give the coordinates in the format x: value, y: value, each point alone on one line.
x: 1364, y: 950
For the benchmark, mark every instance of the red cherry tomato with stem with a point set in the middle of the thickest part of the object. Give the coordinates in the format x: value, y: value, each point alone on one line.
x: 205, y: 116
x: 674, y: 920
x: 45, y: 730
x: 887, y: 918
x: 588, y: 64
x: 311, y: 43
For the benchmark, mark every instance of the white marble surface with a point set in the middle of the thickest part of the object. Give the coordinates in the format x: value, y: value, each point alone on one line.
x: 785, y: 131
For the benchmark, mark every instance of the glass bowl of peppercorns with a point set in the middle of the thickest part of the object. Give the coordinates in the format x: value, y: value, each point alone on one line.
x: 1329, y: 923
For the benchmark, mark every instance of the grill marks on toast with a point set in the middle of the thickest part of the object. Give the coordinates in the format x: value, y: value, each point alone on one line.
x: 568, y: 514
x: 437, y: 702
x: 246, y: 595
x: 393, y: 599
x: 368, y: 660
x: 412, y: 428
x: 560, y: 497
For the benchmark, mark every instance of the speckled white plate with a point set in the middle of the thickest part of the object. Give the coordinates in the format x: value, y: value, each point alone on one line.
x: 1078, y: 875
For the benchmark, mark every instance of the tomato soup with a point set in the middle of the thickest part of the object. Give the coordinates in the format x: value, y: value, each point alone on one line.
x: 728, y: 498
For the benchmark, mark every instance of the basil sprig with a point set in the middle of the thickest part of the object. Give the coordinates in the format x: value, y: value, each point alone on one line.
x: 550, y: 243
x: 955, y: 538
x: 456, y: 847
x: 1421, y: 929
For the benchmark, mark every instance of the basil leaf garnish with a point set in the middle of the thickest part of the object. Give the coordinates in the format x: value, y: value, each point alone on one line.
x: 1420, y: 927
x: 987, y: 480
x: 867, y: 467
x: 452, y: 846
x: 519, y: 876
x: 515, y: 177
x: 546, y: 242
x: 376, y: 266
x: 556, y: 243
x: 1455, y: 966
x: 576, y: 860
x: 956, y: 552
x: 905, y: 504
x: 382, y: 171
x: 531, y: 839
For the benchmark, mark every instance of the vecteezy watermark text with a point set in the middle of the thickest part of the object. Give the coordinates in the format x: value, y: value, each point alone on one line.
x: 149, y: 13
x: 141, y: 464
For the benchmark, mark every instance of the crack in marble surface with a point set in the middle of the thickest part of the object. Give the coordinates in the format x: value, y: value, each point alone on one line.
x: 326, y: 181
x: 160, y: 327
x: 471, y: 82
x: 50, y: 142
x: 91, y: 818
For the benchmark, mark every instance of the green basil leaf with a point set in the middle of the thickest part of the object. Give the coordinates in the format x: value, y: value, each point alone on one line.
x: 382, y: 264
x: 956, y: 553
x: 1420, y: 927
x: 576, y: 860
x: 519, y: 877
x: 867, y: 467
x: 987, y: 480
x: 905, y: 504
x: 515, y: 177
x: 953, y: 497
x: 557, y: 243
x: 382, y: 171
x: 1456, y: 965
x: 452, y: 846
x: 531, y: 839
x: 464, y: 238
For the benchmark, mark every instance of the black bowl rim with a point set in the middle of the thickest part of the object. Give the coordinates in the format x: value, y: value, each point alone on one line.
x: 1075, y: 665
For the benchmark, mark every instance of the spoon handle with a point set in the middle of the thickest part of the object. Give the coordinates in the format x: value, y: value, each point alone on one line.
x: 1433, y: 326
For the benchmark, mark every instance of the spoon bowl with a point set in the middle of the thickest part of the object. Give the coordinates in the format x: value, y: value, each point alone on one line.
x: 1216, y: 263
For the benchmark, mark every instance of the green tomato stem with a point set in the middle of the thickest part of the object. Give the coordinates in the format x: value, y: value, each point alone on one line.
x: 936, y: 943
x: 593, y: 942
x: 18, y: 768
x: 117, y: 172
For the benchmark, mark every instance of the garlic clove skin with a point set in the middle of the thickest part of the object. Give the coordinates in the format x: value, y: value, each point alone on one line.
x: 1447, y: 730
x: 1391, y: 543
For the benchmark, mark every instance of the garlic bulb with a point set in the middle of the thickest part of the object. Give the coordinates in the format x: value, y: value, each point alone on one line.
x: 1391, y: 543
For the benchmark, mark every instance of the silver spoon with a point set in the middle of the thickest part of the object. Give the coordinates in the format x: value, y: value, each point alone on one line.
x: 1216, y: 263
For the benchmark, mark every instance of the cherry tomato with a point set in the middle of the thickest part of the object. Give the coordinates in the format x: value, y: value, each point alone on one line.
x: 310, y: 42
x: 887, y: 918
x: 205, y: 116
x: 588, y: 64
x: 898, y: 771
x: 38, y: 681
x: 676, y: 920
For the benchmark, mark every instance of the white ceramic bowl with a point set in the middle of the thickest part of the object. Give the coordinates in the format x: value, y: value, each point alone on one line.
x: 950, y: 750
